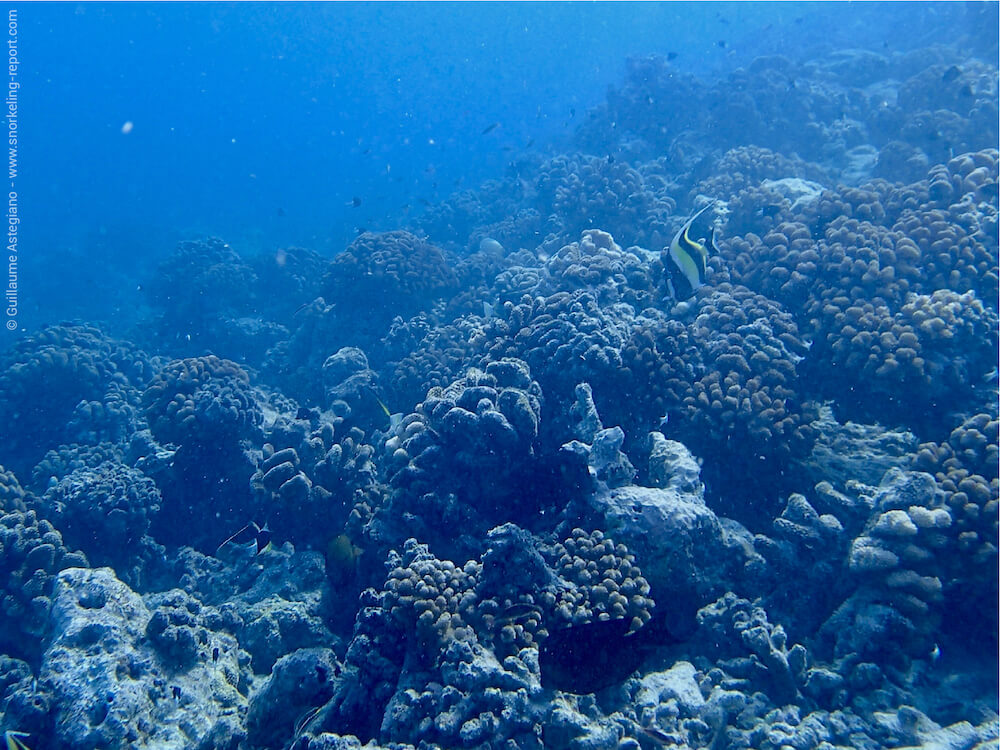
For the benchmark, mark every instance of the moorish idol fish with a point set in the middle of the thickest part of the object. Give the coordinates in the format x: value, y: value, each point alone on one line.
x: 254, y: 537
x: 394, y: 419
x: 688, y: 259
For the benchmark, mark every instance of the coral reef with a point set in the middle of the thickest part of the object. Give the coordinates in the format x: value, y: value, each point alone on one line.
x: 32, y: 554
x: 454, y: 648
x: 406, y: 272
x: 106, y: 512
x: 307, y: 477
x: 201, y: 401
x: 205, y: 408
x: 60, y: 373
x: 104, y: 635
x: 475, y: 441
x: 965, y: 470
x: 483, y: 481
x: 895, y: 562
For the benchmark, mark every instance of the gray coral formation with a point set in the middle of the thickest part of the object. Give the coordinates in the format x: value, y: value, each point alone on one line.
x: 727, y: 379
x: 80, y: 385
x: 605, y: 582
x: 307, y: 477
x: 205, y: 411
x: 476, y: 438
x: 688, y: 555
x: 564, y: 337
x: 895, y: 564
x: 128, y: 673
x: 201, y: 402
x: 583, y: 191
x: 753, y: 652
x: 898, y: 283
x: 398, y: 266
x: 748, y: 388
x: 965, y: 470
x: 32, y: 553
x: 455, y: 647
x: 107, y: 513
x: 857, y: 452
x: 12, y: 494
x: 694, y: 706
x: 596, y: 263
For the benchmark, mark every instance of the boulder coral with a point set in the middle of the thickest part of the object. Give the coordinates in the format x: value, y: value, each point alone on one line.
x: 896, y: 564
x: 404, y: 270
x: 106, y: 512
x: 32, y: 553
x: 307, y: 477
x: 476, y: 437
x: 455, y: 646
x: 59, y: 372
x: 205, y: 411
x: 201, y: 401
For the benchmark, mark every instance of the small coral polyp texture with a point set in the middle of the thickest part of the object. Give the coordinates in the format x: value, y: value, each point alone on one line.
x: 201, y: 400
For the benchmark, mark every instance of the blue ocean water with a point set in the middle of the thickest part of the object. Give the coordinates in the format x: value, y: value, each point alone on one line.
x: 261, y: 123
x: 501, y: 375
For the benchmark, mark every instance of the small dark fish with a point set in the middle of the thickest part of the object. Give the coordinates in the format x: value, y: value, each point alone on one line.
x: 951, y: 74
x: 424, y: 201
x: 304, y: 413
x: 713, y: 241
x: 671, y: 56
x: 772, y: 210
x: 658, y: 736
x: 800, y: 19
x: 215, y: 654
x: 966, y: 90
x: 300, y: 308
x: 519, y: 612
x: 572, y: 112
x: 611, y: 158
x: 281, y: 211
x: 530, y: 143
x: 175, y: 691
x: 253, y: 536
x: 355, y: 202
x: 490, y: 128
x: 721, y: 44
